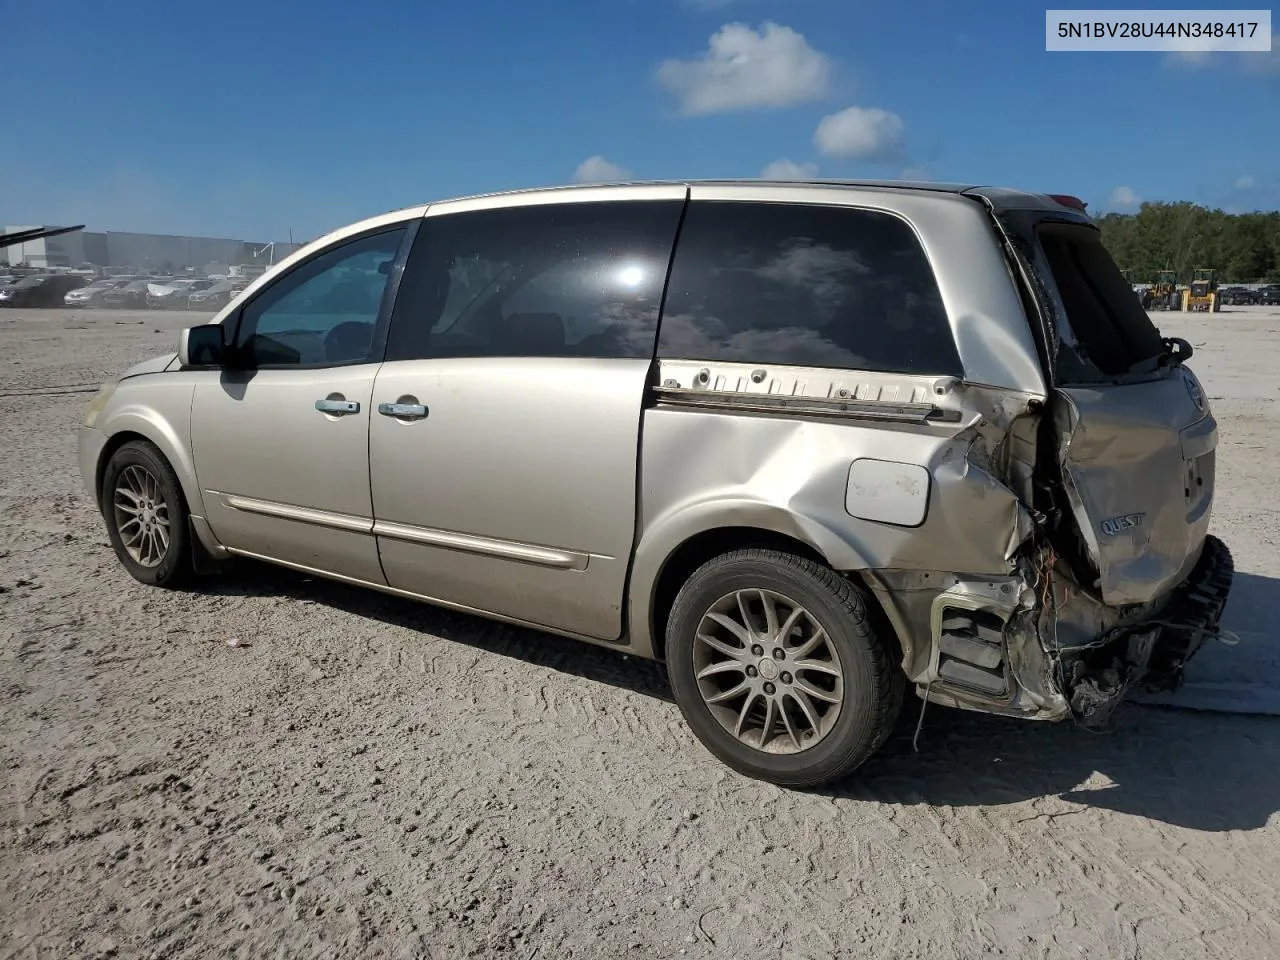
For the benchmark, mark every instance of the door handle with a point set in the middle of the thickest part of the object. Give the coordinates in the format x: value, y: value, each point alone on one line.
x: 403, y: 411
x: 338, y: 407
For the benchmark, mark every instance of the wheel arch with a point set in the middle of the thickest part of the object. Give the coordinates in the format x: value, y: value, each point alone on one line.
x: 667, y: 555
x: 127, y: 426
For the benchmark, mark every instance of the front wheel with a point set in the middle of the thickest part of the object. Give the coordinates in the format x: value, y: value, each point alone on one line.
x: 146, y: 515
x: 778, y: 669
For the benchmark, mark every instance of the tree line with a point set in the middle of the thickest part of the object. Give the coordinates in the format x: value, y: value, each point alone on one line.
x: 1241, y: 247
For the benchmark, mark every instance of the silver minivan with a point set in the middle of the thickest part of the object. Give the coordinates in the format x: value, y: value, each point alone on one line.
x: 808, y: 443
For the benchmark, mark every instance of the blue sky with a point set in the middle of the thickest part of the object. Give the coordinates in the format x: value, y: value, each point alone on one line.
x: 254, y: 119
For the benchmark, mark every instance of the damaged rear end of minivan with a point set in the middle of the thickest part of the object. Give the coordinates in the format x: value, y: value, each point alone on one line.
x: 1119, y: 583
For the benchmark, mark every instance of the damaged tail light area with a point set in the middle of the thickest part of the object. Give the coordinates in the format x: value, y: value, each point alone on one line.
x: 1039, y: 641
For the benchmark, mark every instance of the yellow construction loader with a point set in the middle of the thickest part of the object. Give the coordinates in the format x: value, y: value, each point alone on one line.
x: 1163, y: 294
x: 1202, y: 295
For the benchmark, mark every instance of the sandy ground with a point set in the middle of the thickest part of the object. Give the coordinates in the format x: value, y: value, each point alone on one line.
x: 371, y: 777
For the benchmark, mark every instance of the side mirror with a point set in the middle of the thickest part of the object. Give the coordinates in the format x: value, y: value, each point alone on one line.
x: 201, y: 346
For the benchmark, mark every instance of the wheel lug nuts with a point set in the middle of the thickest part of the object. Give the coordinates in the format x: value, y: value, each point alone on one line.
x: 757, y: 650
x: 769, y: 688
x: 779, y: 653
x: 786, y: 678
x: 751, y: 671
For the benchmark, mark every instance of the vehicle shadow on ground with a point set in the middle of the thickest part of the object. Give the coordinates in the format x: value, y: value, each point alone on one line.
x: 575, y: 658
x: 1212, y: 772
x: 1252, y: 606
x: 1205, y: 771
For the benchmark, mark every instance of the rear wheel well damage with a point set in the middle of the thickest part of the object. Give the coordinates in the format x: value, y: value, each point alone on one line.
x: 700, y: 548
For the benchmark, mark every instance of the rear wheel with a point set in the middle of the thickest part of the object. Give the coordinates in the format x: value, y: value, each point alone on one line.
x: 778, y: 669
x: 146, y: 515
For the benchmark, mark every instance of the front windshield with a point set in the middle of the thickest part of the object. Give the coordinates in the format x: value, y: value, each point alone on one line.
x: 29, y: 282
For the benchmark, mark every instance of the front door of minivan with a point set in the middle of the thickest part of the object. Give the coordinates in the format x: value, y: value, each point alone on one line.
x: 281, y: 437
x: 1134, y: 435
x: 504, y: 440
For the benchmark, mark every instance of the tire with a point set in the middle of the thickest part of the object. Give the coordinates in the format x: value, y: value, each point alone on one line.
x: 870, y: 688
x: 139, y: 469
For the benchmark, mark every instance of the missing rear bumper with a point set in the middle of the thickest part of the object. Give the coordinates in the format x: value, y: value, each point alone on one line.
x: 1154, y: 653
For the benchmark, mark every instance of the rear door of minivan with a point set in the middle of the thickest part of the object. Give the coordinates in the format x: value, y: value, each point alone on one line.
x: 1132, y: 429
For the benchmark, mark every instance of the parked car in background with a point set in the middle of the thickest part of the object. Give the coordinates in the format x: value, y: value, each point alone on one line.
x: 1237, y: 296
x: 40, y: 290
x: 213, y: 297
x: 131, y: 295
x: 90, y: 295
x: 1270, y: 295
x: 172, y: 295
x: 812, y: 445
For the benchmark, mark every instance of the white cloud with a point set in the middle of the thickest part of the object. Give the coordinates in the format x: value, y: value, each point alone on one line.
x: 1244, y: 182
x: 599, y: 170
x: 1124, y: 198
x: 789, y: 170
x: 859, y: 132
x: 1250, y: 61
x: 1190, y: 58
x: 743, y: 70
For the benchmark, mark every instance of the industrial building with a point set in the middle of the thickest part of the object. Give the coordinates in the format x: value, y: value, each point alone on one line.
x: 141, y: 252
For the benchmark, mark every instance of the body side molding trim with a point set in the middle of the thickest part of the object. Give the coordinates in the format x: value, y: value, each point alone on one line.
x: 469, y: 543
x: 285, y: 511
x: 446, y: 539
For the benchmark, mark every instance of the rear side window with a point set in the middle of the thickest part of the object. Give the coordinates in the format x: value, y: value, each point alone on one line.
x: 807, y: 285
x: 545, y: 280
x: 1111, y: 328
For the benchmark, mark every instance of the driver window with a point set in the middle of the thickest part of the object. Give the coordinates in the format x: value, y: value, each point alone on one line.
x: 324, y: 311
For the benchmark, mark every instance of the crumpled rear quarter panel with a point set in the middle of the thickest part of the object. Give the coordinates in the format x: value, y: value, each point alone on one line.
x: 789, y: 473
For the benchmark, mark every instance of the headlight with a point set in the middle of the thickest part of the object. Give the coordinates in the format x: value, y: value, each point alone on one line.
x: 99, y: 402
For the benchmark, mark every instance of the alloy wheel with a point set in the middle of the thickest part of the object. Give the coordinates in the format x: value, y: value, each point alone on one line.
x: 141, y: 515
x: 767, y: 671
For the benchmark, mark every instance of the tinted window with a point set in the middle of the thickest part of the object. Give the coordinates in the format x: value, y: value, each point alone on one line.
x: 1108, y: 321
x: 554, y: 280
x: 322, y: 312
x: 810, y: 285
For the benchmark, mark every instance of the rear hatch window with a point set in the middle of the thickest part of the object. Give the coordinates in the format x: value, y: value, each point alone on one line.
x: 1109, y: 330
